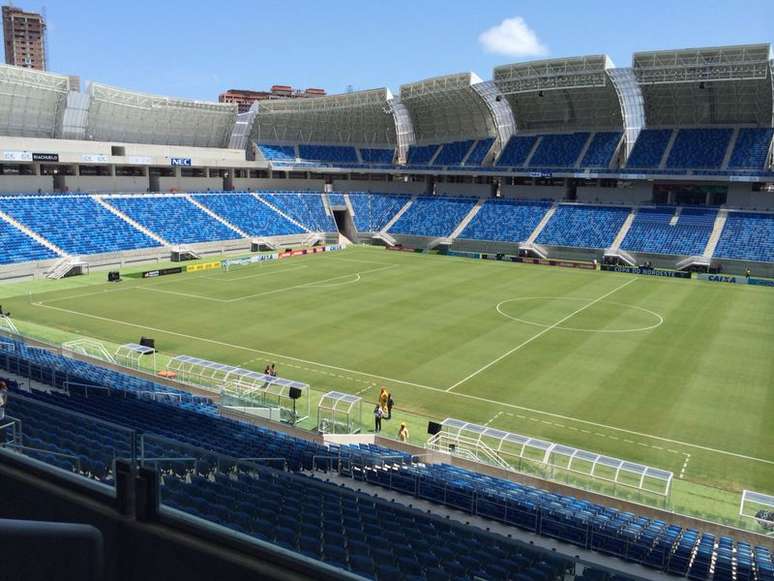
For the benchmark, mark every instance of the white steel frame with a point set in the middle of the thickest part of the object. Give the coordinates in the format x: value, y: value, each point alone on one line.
x: 335, y: 405
x: 761, y: 500
x: 131, y: 355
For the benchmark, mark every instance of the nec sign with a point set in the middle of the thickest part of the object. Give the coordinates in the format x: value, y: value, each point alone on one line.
x: 181, y: 161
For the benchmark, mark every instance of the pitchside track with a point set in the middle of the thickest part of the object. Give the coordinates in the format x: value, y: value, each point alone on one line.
x: 672, y: 373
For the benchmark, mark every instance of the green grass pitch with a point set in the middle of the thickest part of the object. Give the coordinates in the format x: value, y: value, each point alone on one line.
x: 672, y: 373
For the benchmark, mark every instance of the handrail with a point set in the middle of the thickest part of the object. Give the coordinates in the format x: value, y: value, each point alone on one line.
x: 44, y: 451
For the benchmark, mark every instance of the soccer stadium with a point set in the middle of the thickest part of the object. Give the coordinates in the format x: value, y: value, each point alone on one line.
x: 516, y: 328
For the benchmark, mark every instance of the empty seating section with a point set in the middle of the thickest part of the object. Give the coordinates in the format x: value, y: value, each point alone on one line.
x: 421, y: 154
x: 76, y: 224
x: 173, y: 218
x: 699, y: 148
x: 436, y: 217
x: 305, y: 208
x: 453, y: 153
x: 516, y: 152
x: 16, y: 246
x: 336, y: 199
x: 747, y: 236
x: 649, y: 148
x: 645, y: 540
x: 601, y: 149
x: 377, y: 156
x: 505, y: 220
x: 328, y: 153
x: 652, y: 231
x: 374, y: 211
x: 752, y: 147
x: 249, y: 214
x: 559, y: 150
x: 278, y: 152
x: 583, y: 226
x: 479, y: 151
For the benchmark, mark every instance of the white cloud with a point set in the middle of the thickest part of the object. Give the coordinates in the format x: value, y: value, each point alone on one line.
x: 512, y: 37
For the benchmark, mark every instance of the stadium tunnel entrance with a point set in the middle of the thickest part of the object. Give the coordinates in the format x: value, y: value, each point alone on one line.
x: 344, y: 223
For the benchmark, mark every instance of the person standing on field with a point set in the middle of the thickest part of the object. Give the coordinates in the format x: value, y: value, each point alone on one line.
x: 378, y: 418
x: 390, y: 404
x: 403, y: 433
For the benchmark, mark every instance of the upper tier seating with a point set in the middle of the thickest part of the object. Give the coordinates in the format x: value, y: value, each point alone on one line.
x: 377, y: 156
x: 559, y: 150
x: 328, y: 153
x: 645, y: 540
x: 374, y: 211
x: 649, y: 148
x: 304, y: 208
x: 505, y: 220
x: 516, y: 152
x: 278, y: 152
x: 601, y: 149
x: 421, y: 154
x: 453, y: 153
x: 249, y: 214
x: 173, y: 218
x: 16, y: 246
x: 702, y: 148
x: 431, y: 216
x: 479, y: 151
x: 76, y: 224
x: 583, y: 226
x: 751, y: 149
x: 747, y: 236
x: 651, y: 231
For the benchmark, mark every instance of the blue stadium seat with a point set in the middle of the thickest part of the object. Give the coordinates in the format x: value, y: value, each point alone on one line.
x: 249, y: 214
x: 328, y: 153
x: 421, y: 154
x: 649, y: 149
x: 453, y: 153
x: 433, y: 216
x: 583, y: 226
x: 601, y: 149
x: 652, y: 232
x: 747, y: 236
x: 278, y: 152
x: 374, y: 211
x: 173, y: 218
x: 559, y: 150
x: 76, y: 224
x: 699, y: 148
x: 305, y: 208
x: 375, y: 156
x: 515, y: 153
x: 752, y: 147
x: 479, y: 151
x: 16, y: 246
x: 505, y: 220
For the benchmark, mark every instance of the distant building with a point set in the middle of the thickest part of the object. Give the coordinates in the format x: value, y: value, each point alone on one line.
x: 24, y: 37
x: 245, y: 98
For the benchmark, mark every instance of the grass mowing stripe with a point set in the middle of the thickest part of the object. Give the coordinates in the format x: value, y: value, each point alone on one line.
x: 540, y: 334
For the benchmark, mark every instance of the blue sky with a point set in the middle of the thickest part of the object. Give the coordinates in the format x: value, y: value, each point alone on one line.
x: 189, y: 49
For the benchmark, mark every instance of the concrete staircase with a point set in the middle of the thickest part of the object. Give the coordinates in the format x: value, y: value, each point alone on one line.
x: 668, y: 149
x: 397, y: 216
x: 730, y: 150
x: 215, y: 216
x: 717, y: 230
x: 105, y: 204
x: 435, y: 155
x: 349, y: 205
x: 470, y: 150
x: 532, y: 151
x: 676, y: 217
x: 466, y: 220
x: 32, y: 234
x: 64, y: 266
x: 281, y: 213
x: 542, y: 224
x: 584, y: 149
x: 619, y: 238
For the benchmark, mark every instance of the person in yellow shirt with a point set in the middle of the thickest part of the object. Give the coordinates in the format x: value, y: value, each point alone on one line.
x: 403, y: 433
x: 384, y: 395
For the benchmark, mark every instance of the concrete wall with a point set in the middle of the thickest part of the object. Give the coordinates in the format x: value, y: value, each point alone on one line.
x: 637, y: 193
x: 397, y: 187
x: 191, y: 184
x: 26, y: 184
x: 742, y: 196
x: 107, y: 183
x: 533, y: 192
x: 477, y: 190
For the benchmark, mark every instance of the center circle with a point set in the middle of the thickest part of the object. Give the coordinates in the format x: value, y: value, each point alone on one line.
x: 656, y: 320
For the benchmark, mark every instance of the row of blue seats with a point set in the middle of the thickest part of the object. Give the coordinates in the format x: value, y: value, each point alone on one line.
x: 583, y: 226
x: 652, y: 542
x: 505, y: 220
x: 433, y: 216
x: 249, y: 214
x: 374, y: 211
x: 305, y: 208
x: 747, y: 236
x: 653, y: 231
x: 16, y: 246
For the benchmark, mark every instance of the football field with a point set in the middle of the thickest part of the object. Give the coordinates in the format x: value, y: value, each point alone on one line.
x: 676, y: 374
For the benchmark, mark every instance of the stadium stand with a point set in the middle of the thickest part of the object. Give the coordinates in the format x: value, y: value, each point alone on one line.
x: 436, y: 217
x: 453, y: 153
x: 479, y: 151
x: 601, y: 149
x: 699, y: 148
x: 583, y: 226
x: 649, y: 148
x: 652, y: 232
x: 76, y: 224
x: 328, y: 153
x: 173, y: 218
x: 278, y: 152
x: 249, y: 214
x: 374, y: 211
x: 751, y: 149
x: 305, y: 208
x: 559, y: 150
x: 374, y: 156
x: 421, y: 154
x: 747, y: 236
x: 517, y: 150
x: 336, y: 199
x: 16, y: 246
x: 505, y: 220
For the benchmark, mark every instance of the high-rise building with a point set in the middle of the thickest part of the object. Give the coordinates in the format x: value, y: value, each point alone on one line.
x: 245, y: 98
x: 24, y: 37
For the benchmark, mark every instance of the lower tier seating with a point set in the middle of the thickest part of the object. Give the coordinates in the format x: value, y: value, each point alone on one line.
x: 374, y: 211
x: 653, y: 232
x: 16, y: 246
x: 430, y: 216
x: 583, y: 226
x: 305, y: 208
x: 249, y: 214
x: 505, y: 220
x: 747, y: 236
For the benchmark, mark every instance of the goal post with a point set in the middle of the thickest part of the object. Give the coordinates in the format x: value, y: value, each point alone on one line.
x: 758, y: 507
